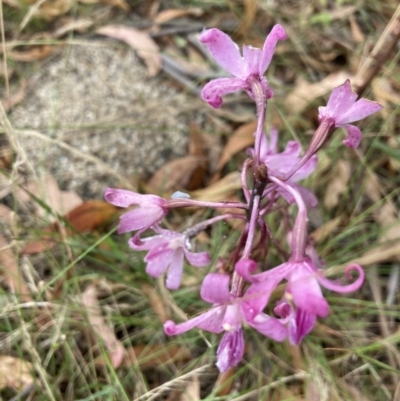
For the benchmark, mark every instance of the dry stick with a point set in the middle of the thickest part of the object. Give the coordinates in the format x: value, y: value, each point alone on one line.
x: 80, y: 154
x: 379, y: 53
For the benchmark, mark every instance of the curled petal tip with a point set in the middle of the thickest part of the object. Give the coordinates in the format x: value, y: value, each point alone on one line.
x: 279, y: 32
x: 169, y: 328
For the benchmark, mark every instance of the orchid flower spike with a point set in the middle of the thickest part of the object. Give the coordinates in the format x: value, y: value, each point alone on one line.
x: 167, y: 251
x: 303, y: 276
x: 152, y: 209
x: 344, y: 108
x: 252, y: 65
x: 227, y: 315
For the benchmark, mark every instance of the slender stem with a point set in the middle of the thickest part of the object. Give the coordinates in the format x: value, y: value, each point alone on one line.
x: 183, y: 202
x: 299, y: 232
x: 260, y: 98
x: 319, y: 138
x: 243, y: 177
x: 194, y: 230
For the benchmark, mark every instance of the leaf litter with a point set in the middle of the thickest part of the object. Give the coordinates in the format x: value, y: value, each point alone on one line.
x: 84, y: 219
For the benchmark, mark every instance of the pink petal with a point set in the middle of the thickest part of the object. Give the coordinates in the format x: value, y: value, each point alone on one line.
x: 300, y: 325
x: 159, y: 252
x: 359, y: 110
x: 225, y: 52
x: 340, y: 101
x: 308, y: 196
x: 211, y: 319
x: 145, y: 244
x: 304, y: 288
x: 140, y: 218
x: 269, y: 326
x: 353, y: 136
x: 175, y: 271
x: 216, y: 88
x: 122, y: 197
x: 197, y: 259
x: 343, y: 289
x: 215, y: 288
x: 277, y: 33
x: 273, y: 141
x: 231, y: 349
x: 157, y: 268
x: 251, y: 57
x: 245, y: 267
x: 306, y: 170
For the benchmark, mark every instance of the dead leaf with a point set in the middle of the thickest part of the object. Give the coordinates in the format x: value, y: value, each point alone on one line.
x: 15, y: 373
x: 11, y: 271
x: 173, y: 13
x: 356, y: 32
x: 144, y: 45
x: 156, y: 302
x: 305, y: 92
x: 54, y: 8
x: 116, y: 3
x: 76, y: 25
x: 220, y: 190
x: 242, y: 138
x: 224, y: 383
x: 174, y: 175
x: 35, y: 53
x: 7, y: 215
x: 86, y: 217
x: 47, y: 190
x: 13, y: 3
x: 99, y: 326
x: 15, y: 98
x: 338, y: 183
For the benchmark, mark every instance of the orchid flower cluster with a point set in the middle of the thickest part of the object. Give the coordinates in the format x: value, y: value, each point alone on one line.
x: 237, y: 293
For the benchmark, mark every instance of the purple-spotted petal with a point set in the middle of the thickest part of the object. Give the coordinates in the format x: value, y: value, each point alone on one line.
x: 175, y: 271
x: 300, y: 325
x: 340, y: 101
x: 277, y: 33
x: 197, y: 259
x: 251, y: 57
x: 215, y: 288
x: 225, y: 52
x: 121, y: 197
x: 353, y: 136
x: 214, y: 90
x: 360, y: 109
x: 124, y: 198
x: 210, y: 321
x: 269, y: 326
x: 343, y: 289
x: 304, y: 288
x: 231, y: 349
x: 142, y: 217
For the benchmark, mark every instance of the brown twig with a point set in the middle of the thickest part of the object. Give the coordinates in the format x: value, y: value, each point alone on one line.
x: 380, y: 53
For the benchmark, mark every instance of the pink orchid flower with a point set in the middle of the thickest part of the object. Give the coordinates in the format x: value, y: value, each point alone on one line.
x: 344, y: 108
x: 302, y: 274
x: 167, y: 251
x: 279, y: 164
x: 227, y: 314
x: 252, y: 65
x: 152, y: 209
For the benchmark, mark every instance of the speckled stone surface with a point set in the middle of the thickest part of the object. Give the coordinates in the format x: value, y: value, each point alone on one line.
x: 97, y: 97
